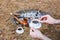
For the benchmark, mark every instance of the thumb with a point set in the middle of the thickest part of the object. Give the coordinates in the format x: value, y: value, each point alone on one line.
x: 32, y: 29
x: 43, y: 17
x: 44, y: 21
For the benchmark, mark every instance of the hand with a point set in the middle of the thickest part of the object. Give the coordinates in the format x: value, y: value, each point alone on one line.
x: 34, y: 33
x: 47, y: 19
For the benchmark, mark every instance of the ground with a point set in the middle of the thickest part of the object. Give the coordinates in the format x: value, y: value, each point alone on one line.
x: 7, y: 28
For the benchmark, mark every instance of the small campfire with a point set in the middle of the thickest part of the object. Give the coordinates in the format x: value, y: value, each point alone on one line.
x: 28, y: 18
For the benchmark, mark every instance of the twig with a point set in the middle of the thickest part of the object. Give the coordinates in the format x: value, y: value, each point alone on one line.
x: 20, y: 21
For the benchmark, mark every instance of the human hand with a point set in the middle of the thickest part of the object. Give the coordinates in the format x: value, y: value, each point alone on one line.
x: 34, y: 33
x: 47, y: 19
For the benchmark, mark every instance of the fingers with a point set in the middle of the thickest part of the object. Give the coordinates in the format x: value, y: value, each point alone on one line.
x: 44, y: 21
x: 32, y: 29
x: 44, y: 17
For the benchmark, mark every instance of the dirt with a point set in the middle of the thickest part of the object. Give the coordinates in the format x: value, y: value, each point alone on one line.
x: 7, y: 28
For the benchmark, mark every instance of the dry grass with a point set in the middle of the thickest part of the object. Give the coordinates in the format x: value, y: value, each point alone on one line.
x: 7, y: 28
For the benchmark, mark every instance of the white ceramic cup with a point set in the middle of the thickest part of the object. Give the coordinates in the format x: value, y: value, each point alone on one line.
x: 35, y: 25
x: 19, y: 30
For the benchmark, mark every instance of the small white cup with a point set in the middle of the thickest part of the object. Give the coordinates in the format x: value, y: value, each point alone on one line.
x: 19, y: 30
x: 35, y: 25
